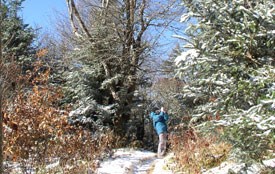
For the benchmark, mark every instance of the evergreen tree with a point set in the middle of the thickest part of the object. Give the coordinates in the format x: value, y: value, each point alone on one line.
x: 17, y: 36
x: 168, y: 67
x: 229, y: 64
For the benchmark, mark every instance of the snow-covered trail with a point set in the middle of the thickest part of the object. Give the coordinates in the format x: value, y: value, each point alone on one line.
x: 129, y: 161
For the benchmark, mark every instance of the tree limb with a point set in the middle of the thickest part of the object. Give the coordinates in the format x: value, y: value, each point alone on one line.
x: 74, y: 13
x: 108, y: 75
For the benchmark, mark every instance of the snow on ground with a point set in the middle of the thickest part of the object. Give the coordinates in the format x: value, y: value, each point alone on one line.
x: 160, y: 165
x: 130, y: 161
x: 255, y: 168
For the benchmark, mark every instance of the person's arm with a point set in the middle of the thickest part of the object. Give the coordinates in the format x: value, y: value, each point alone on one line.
x: 152, y: 115
x: 164, y: 114
x: 157, y: 117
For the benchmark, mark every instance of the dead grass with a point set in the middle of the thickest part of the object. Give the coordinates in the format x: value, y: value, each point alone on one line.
x: 194, y: 152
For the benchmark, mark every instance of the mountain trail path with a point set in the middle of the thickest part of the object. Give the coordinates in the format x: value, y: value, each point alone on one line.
x: 130, y: 161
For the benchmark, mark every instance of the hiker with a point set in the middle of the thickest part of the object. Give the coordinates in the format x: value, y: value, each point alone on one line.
x: 159, y: 121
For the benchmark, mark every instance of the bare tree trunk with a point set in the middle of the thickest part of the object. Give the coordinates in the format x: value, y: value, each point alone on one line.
x: 1, y: 96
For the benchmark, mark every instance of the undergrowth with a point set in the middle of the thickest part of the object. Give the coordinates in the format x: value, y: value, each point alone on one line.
x: 37, y: 132
x: 194, y: 152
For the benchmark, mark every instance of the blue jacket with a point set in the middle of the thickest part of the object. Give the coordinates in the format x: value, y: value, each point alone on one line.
x: 159, y: 122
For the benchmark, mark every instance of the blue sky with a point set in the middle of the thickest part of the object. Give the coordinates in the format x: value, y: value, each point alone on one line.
x: 40, y: 13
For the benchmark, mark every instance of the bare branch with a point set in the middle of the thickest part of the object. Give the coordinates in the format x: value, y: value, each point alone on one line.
x: 74, y: 13
x: 105, y: 4
x: 143, y: 24
x: 108, y: 75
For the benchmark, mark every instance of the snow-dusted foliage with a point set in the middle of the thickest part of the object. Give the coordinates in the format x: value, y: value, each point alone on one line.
x: 228, y: 65
x: 84, y: 89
